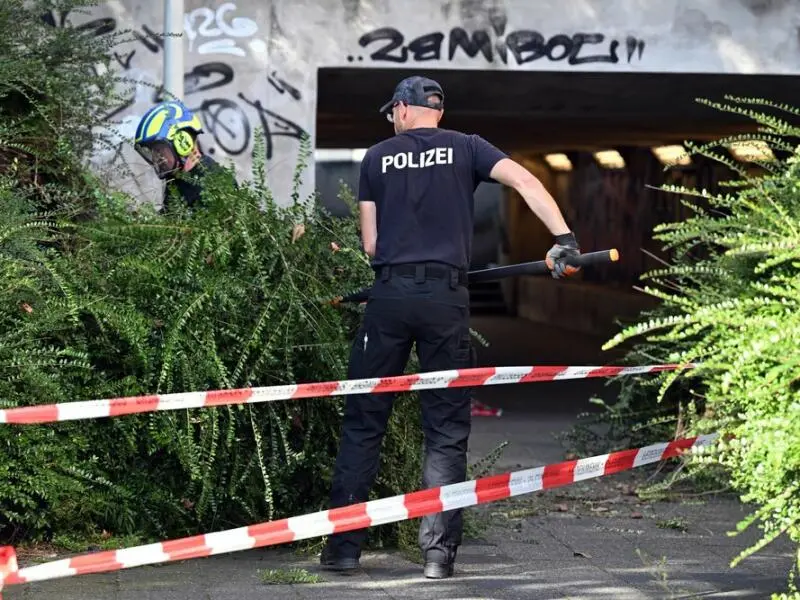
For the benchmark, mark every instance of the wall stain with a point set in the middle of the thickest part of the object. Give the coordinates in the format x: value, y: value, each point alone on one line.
x: 692, y: 23
x: 759, y: 8
x: 352, y: 8
x: 482, y: 14
x: 447, y: 9
x: 275, y: 30
x: 695, y: 28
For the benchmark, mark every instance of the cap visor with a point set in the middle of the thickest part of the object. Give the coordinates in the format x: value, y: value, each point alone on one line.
x: 386, y: 107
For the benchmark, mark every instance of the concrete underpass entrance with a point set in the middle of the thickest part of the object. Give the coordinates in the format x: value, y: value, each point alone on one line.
x: 573, y: 115
x: 546, y: 111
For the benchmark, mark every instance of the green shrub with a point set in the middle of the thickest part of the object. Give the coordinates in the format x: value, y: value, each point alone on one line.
x: 98, y: 299
x: 224, y: 298
x: 56, y: 87
x: 53, y: 90
x: 731, y: 302
x: 36, y: 464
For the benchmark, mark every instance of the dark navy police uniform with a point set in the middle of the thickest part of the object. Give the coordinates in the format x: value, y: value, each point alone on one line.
x: 422, y: 183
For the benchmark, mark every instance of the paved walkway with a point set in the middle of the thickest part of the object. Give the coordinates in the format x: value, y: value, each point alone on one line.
x: 591, y: 541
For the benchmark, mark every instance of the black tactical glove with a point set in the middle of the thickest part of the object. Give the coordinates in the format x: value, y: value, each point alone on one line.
x: 565, y: 248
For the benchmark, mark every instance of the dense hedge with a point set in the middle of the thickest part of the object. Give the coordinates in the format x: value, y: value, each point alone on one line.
x: 100, y: 299
x: 138, y: 303
x: 730, y: 301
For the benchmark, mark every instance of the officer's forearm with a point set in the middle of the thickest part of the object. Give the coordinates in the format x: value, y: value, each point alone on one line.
x: 543, y: 205
x: 369, y: 226
x: 511, y: 173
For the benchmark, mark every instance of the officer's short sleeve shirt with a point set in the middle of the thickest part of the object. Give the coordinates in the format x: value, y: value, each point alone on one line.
x: 422, y: 183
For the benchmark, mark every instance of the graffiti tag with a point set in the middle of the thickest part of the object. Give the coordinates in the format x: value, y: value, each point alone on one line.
x: 388, y: 44
x: 214, y: 24
x: 224, y: 119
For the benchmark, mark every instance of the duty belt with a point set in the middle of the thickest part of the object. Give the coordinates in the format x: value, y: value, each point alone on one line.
x: 422, y: 271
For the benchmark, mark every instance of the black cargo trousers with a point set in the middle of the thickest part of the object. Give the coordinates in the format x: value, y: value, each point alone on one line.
x: 427, y: 304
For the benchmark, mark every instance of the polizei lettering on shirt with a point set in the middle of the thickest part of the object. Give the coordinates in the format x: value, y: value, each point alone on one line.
x: 417, y: 160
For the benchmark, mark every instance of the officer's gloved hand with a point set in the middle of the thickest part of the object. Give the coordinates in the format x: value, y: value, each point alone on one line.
x: 565, y: 248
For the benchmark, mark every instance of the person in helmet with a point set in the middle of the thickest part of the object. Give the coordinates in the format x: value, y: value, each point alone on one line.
x: 166, y: 138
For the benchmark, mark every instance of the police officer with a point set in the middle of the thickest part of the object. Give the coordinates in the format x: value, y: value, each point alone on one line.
x: 416, y: 211
x: 166, y: 138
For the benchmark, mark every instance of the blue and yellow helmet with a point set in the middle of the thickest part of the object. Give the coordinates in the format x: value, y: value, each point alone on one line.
x: 168, y: 125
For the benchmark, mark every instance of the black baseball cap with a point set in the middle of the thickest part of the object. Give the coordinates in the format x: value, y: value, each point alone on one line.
x: 415, y: 91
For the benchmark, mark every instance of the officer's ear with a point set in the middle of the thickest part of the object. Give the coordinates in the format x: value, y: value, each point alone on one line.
x: 434, y: 102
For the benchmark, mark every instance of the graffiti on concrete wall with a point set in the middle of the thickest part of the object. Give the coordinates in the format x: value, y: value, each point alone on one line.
x: 229, y: 115
x: 218, y: 32
x: 522, y: 46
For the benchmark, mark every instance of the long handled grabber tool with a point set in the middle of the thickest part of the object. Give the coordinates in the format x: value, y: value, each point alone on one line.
x: 536, y: 267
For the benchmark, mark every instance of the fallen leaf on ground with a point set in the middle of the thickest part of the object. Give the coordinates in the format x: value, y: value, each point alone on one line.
x: 581, y: 554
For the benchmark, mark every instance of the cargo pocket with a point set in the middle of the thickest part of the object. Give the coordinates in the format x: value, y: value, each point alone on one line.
x: 465, y: 354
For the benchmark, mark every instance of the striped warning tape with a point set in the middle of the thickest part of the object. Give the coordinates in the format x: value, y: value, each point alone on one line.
x: 115, y: 407
x: 356, y: 516
x: 8, y: 565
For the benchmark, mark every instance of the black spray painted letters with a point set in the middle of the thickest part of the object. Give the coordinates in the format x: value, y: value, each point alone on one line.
x: 388, y: 44
x: 225, y: 120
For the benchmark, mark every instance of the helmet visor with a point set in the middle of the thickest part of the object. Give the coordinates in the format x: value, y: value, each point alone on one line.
x: 160, y: 155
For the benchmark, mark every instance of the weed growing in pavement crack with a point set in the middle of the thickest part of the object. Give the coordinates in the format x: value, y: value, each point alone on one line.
x: 288, y: 576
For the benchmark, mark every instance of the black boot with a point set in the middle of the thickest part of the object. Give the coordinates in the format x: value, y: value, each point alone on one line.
x: 436, y: 570
x: 438, y: 566
x: 329, y: 560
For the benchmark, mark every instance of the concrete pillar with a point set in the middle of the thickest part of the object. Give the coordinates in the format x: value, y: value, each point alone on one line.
x: 173, y: 49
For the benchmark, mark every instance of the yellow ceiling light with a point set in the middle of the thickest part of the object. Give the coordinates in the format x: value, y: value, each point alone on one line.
x: 558, y: 162
x: 610, y: 159
x: 751, y: 150
x: 672, y: 155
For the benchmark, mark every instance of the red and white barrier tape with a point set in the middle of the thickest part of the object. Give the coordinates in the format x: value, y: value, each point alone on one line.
x: 8, y: 565
x: 356, y: 516
x: 115, y: 407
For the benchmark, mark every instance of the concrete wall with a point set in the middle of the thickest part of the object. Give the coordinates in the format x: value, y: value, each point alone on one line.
x: 254, y: 64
